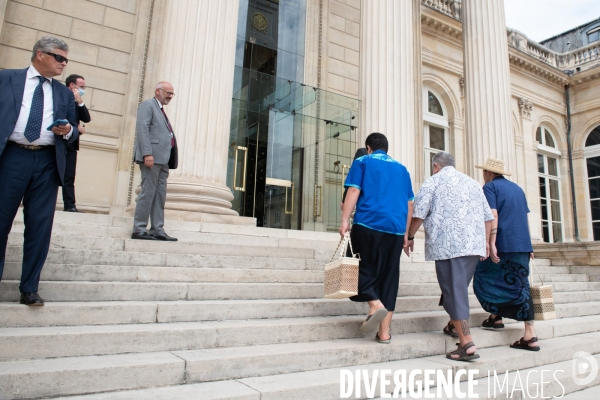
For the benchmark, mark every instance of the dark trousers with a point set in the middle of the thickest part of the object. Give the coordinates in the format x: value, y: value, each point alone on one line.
x: 68, y: 189
x: 379, y: 267
x: 31, y: 177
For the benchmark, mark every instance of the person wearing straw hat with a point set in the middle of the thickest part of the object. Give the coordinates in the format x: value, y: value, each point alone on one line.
x: 501, y: 281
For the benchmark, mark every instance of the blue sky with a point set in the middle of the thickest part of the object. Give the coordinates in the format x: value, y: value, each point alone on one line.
x: 541, y: 19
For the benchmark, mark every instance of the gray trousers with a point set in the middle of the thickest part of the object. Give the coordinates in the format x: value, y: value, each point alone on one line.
x: 454, y: 276
x: 151, y: 200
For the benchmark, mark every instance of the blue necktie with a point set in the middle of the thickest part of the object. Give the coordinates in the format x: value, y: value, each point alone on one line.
x: 36, y: 114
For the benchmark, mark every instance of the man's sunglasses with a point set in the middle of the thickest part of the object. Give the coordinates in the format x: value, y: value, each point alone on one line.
x: 57, y: 57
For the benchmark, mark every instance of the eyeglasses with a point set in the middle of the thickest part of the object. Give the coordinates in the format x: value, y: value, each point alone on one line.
x: 169, y: 93
x: 57, y: 57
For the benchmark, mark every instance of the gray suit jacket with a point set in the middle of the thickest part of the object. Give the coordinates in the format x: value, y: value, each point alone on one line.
x: 153, y: 137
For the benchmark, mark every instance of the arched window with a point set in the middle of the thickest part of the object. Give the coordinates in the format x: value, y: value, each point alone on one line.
x: 435, y: 124
x: 592, y: 160
x: 549, y: 177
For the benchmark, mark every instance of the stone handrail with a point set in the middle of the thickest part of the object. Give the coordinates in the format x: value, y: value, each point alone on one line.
x: 564, y: 61
x: 451, y: 8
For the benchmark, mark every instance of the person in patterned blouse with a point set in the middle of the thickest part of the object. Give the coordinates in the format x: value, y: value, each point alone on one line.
x: 457, y: 221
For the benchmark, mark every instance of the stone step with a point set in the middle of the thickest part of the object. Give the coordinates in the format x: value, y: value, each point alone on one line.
x: 109, y: 273
x: 274, y: 274
x: 80, y: 375
x: 325, y: 385
x: 98, y: 257
x: 69, y: 341
x: 117, y: 339
x: 246, y: 248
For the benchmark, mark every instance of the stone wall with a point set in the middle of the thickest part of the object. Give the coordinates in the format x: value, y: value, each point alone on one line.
x: 101, y: 35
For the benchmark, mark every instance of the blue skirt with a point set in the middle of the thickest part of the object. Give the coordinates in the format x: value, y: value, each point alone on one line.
x: 503, y: 288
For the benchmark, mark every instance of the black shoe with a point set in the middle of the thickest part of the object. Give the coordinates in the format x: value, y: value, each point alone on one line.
x: 165, y: 237
x: 31, y: 299
x: 72, y: 209
x: 142, y: 236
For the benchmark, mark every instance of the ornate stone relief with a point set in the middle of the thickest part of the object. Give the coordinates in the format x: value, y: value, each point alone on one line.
x: 525, y: 107
x: 461, y: 82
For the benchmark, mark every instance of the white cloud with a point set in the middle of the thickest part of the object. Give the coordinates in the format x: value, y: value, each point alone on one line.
x: 542, y: 19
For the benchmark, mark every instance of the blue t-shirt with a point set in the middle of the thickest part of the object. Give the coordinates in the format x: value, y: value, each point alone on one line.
x: 385, y: 190
x: 509, y: 201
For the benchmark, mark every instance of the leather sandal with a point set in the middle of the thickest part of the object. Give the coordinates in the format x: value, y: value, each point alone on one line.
x: 491, y: 322
x: 462, y: 354
x: 448, y: 330
x: 524, y: 344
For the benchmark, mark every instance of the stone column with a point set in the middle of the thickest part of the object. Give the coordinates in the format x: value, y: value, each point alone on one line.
x: 487, y: 84
x: 388, y: 75
x: 197, y: 58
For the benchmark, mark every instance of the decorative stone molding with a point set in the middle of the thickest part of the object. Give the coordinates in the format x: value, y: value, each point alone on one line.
x: 525, y: 107
x: 444, y: 27
x: 537, y: 67
x: 461, y: 82
x: 578, y: 154
x: 519, y: 141
x: 451, y: 8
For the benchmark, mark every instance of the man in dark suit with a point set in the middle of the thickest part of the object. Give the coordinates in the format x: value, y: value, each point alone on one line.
x: 77, y: 84
x: 155, y: 152
x: 32, y: 158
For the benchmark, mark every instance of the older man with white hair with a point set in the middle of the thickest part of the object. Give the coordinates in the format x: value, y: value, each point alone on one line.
x: 457, y: 221
x: 155, y: 152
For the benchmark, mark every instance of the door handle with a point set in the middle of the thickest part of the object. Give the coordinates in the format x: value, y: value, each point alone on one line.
x: 344, y: 167
x: 291, y: 211
x: 316, y: 204
x: 243, y: 187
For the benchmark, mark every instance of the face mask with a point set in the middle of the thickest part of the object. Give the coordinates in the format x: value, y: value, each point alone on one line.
x: 81, y: 91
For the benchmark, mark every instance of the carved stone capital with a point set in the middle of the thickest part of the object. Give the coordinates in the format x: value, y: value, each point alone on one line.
x: 525, y: 107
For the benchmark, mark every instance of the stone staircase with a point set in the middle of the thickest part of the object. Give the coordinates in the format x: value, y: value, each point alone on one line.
x: 236, y: 312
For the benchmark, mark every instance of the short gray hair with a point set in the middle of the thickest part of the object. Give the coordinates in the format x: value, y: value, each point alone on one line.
x: 47, y: 44
x: 443, y: 159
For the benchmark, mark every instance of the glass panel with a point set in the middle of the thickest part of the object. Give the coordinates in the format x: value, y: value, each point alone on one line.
x: 594, y: 137
x: 549, y: 140
x: 596, y: 227
x: 431, y: 154
x: 593, y: 166
x: 552, y: 166
x: 434, y: 106
x: 592, y: 37
x: 594, y: 188
x: 556, y: 233
x: 541, y: 168
x: 538, y: 135
x: 545, y: 232
x: 554, y: 187
x: 595, y: 205
x: 542, y: 187
x: 437, y: 138
x: 544, y: 209
x: 555, y: 211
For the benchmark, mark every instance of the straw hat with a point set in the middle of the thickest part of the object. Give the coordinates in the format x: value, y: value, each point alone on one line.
x: 494, y: 165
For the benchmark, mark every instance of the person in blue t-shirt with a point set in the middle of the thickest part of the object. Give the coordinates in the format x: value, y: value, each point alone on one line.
x: 501, y: 281
x: 381, y: 190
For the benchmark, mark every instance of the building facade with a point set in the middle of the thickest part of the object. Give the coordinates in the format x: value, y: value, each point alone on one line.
x: 273, y: 97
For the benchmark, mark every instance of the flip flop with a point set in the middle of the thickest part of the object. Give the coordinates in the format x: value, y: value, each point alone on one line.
x: 373, y: 320
x: 386, y: 341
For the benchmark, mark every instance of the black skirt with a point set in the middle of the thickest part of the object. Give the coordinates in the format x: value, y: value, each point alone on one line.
x: 379, y: 267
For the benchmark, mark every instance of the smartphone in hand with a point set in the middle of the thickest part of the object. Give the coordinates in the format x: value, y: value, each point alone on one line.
x: 58, y: 122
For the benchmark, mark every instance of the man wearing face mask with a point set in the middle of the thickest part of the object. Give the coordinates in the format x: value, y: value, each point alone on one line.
x: 77, y: 85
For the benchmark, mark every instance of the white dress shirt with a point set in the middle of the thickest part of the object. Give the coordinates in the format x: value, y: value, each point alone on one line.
x: 454, y: 210
x: 46, y: 137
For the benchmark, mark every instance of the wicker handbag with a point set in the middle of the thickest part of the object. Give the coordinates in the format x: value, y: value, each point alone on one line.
x: 543, y: 299
x: 341, y: 276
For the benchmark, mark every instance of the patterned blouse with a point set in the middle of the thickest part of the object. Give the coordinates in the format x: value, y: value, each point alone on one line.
x: 454, y: 210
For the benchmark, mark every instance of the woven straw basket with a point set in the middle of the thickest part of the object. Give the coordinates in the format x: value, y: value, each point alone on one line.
x: 543, y: 299
x: 341, y: 276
